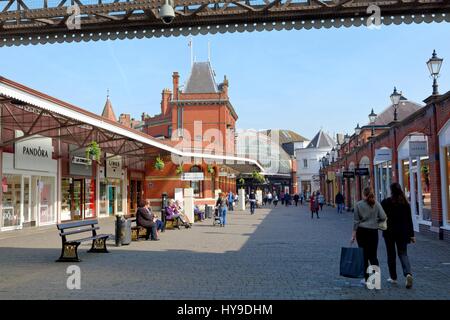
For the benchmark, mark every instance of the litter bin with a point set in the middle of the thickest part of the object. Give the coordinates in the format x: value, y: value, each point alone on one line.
x: 208, y: 211
x: 123, y: 231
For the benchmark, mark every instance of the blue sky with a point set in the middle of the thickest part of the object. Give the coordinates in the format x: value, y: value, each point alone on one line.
x: 299, y: 80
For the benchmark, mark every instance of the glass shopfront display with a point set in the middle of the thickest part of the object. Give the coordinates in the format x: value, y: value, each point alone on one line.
x: 78, y: 194
x: 11, y: 216
x: 111, y: 197
x: 46, y: 208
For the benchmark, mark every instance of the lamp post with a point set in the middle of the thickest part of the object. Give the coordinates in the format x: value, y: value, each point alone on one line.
x: 434, y: 65
x: 395, y: 99
x: 372, y: 118
x: 333, y: 154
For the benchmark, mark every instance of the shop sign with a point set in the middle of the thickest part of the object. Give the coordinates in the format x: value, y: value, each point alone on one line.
x: 113, y: 167
x: 80, y: 160
x: 362, y: 171
x: 348, y: 174
x: 383, y: 155
x: 79, y: 165
x: 418, y: 148
x: 193, y: 176
x: 231, y: 176
x: 223, y: 174
x: 33, y: 153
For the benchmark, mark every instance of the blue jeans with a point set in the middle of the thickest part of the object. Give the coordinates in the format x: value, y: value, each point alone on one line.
x: 159, y: 225
x: 340, y: 207
x: 223, y: 215
x: 252, y: 206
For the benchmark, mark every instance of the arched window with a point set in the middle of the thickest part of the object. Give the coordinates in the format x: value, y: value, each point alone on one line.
x: 196, y: 185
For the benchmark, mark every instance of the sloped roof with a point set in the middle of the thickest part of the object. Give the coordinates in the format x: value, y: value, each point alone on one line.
x: 321, y: 140
x: 108, y: 111
x: 201, y: 79
x: 405, y: 108
x: 286, y: 136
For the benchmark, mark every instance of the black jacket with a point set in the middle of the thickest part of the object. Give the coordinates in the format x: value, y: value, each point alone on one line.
x: 399, y: 220
x: 339, y: 198
x: 144, y: 218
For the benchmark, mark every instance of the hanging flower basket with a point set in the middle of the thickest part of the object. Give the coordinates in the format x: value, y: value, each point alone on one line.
x: 93, y: 151
x: 179, y: 170
x: 211, y: 169
x: 159, y: 164
x: 258, y: 177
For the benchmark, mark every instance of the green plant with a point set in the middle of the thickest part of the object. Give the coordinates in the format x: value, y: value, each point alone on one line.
x: 258, y: 177
x: 241, y: 181
x: 179, y: 170
x: 425, y: 170
x: 210, y: 169
x: 93, y: 151
x: 159, y: 164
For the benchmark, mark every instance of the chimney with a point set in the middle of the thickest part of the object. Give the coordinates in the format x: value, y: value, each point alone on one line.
x: 165, y: 101
x: 125, y: 119
x: 225, y: 86
x: 175, y: 80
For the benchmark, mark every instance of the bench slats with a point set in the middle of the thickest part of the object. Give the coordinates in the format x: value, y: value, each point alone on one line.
x: 90, y: 238
x: 76, y: 224
x: 66, y: 233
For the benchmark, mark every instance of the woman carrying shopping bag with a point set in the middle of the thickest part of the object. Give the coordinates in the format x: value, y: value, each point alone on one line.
x: 368, y: 216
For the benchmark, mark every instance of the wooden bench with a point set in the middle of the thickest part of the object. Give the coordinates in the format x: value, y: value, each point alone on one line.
x: 69, y: 251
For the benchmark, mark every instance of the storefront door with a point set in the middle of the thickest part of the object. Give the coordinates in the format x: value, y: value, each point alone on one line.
x: 26, y: 202
x: 77, y: 196
x: 112, y: 200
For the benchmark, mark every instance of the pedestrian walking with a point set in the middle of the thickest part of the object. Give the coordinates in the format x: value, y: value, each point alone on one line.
x: 252, y: 199
x: 296, y: 199
x: 368, y: 214
x: 230, y: 201
x: 321, y: 200
x: 275, y: 200
x: 339, y: 199
x: 399, y: 233
x: 302, y: 198
x: 269, y: 198
x: 265, y: 199
x: 222, y: 204
x: 287, y: 199
x: 314, y: 205
x: 282, y: 197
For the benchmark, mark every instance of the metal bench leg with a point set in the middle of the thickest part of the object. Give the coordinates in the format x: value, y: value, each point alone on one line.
x: 99, y: 245
x: 69, y: 252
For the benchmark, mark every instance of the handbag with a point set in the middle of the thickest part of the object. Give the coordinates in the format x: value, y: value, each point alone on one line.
x: 382, y: 225
x: 352, y: 262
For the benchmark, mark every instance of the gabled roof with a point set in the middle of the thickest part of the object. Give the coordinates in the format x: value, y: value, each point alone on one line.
x: 201, y: 79
x: 405, y: 108
x: 321, y: 140
x: 286, y: 136
x: 108, y: 111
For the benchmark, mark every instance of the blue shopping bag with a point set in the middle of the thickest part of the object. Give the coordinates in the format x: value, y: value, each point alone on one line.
x: 352, y: 262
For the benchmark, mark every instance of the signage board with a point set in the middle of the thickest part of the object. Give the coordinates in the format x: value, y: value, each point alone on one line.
x: 418, y: 148
x: 223, y: 174
x: 362, y: 171
x: 383, y: 155
x: 81, y: 160
x: 348, y: 174
x: 113, y: 167
x: 33, y: 153
x: 193, y: 176
x: 79, y: 165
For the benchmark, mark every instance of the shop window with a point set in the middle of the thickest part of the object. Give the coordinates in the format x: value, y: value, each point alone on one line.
x: 46, y: 187
x: 11, y: 185
x: 196, y: 185
x: 66, y: 199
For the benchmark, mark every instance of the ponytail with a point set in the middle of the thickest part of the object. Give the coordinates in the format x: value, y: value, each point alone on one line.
x: 370, y: 196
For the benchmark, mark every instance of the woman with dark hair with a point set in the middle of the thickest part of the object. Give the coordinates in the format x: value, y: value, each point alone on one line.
x: 399, y: 233
x: 368, y: 214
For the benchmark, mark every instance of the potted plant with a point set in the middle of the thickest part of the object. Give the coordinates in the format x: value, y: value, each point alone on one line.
x: 159, y: 164
x: 258, y: 177
x: 93, y: 151
x: 211, y: 169
x: 179, y: 170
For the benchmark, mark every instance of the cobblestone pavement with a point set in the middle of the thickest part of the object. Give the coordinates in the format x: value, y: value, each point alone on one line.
x: 274, y: 254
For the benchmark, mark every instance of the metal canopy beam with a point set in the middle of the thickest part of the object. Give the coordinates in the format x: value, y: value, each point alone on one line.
x: 33, y: 22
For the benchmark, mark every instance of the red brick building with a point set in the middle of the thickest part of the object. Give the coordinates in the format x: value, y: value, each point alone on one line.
x: 414, y: 151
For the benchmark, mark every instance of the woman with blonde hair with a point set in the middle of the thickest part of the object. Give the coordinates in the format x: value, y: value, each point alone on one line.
x: 222, y: 205
x: 368, y: 214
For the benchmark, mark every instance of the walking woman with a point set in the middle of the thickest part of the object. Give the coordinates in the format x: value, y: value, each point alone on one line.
x: 314, y: 205
x: 222, y: 205
x: 368, y: 214
x: 399, y: 233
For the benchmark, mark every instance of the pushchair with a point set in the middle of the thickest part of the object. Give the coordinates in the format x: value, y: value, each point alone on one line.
x: 216, y: 220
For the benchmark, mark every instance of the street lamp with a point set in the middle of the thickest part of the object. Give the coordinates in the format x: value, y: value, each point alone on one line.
x: 346, y: 138
x: 357, y: 130
x: 333, y: 154
x: 372, y: 118
x: 395, y: 98
x: 434, y: 65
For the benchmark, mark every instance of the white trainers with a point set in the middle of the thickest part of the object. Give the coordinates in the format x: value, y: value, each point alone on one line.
x: 409, y: 281
x: 391, y: 281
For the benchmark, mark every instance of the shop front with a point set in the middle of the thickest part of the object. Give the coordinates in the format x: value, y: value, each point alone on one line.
x: 111, y: 188
x: 383, y: 172
x: 135, y: 190
x: 352, y: 186
x: 29, y: 184
x: 363, y: 174
x: 415, y: 178
x: 78, y: 187
x: 444, y: 146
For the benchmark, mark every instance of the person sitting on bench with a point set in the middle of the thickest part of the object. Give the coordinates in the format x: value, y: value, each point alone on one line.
x: 159, y: 223
x: 180, y: 210
x: 146, y: 220
x: 173, y: 214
